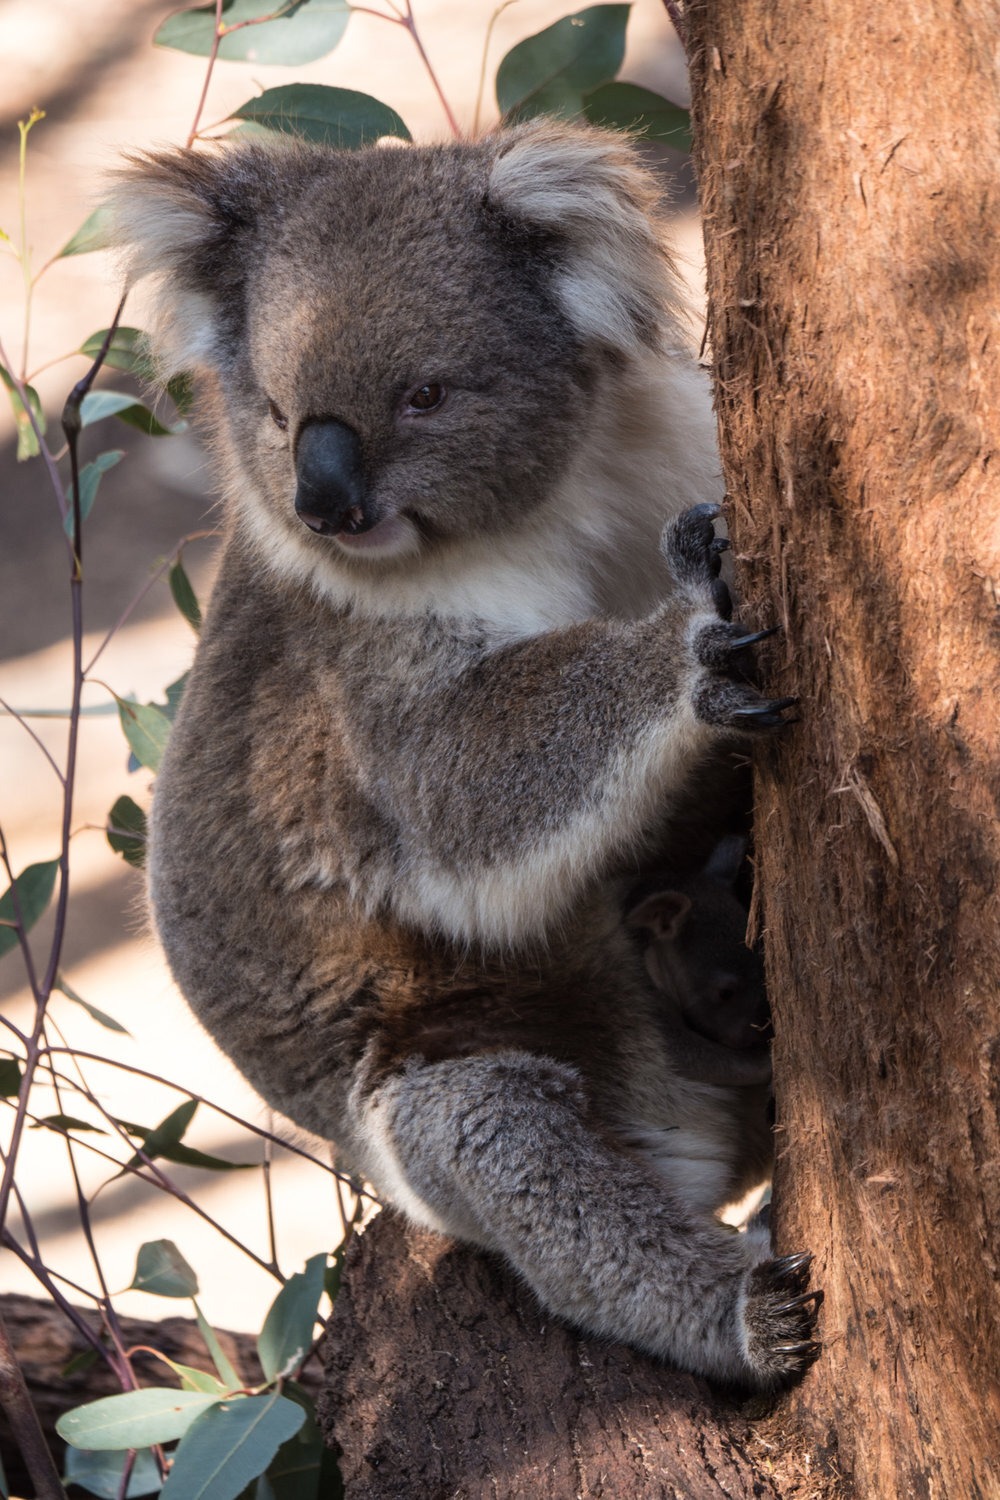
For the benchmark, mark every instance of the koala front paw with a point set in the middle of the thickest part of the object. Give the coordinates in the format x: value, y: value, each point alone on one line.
x: 779, y: 1319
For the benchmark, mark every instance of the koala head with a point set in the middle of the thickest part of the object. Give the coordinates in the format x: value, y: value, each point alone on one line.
x: 403, y: 345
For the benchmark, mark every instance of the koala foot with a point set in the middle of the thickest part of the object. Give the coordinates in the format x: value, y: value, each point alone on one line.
x: 780, y: 1319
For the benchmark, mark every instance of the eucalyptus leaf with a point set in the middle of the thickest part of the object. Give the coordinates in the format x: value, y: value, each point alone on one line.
x: 34, y: 888
x: 302, y: 32
x: 229, y: 1445
x: 97, y: 405
x: 163, y: 1137
x: 135, y: 1419
x: 90, y: 477
x: 626, y: 106
x: 64, y: 1123
x: 331, y: 117
x: 161, y: 1269
x: 184, y: 595
x: 10, y: 1077
x: 300, y: 1469
x: 27, y: 440
x: 127, y: 831
x: 227, y: 1373
x: 127, y: 351
x: 147, y: 730
x: 101, y: 1473
x: 289, y: 1328
x: 549, y: 73
x: 100, y: 1016
x: 93, y: 234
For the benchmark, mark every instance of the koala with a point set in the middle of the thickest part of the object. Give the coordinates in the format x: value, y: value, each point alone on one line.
x: 450, y: 691
x: 712, y: 983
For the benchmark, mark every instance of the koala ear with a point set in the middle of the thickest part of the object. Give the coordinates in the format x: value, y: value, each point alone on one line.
x: 662, y: 914
x: 586, y: 191
x: 190, y: 219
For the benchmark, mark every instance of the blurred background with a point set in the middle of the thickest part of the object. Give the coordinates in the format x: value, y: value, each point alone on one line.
x: 106, y: 89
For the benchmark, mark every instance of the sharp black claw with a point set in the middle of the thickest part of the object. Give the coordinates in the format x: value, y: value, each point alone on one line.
x: 719, y: 544
x: 767, y: 713
x: 794, y: 1303
x: 790, y: 1265
x: 751, y: 640
x: 807, y: 1351
x: 707, y: 511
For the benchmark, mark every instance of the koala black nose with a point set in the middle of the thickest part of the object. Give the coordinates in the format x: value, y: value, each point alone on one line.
x: 331, y: 492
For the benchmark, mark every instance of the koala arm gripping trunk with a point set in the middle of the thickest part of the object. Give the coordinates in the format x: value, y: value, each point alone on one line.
x: 516, y: 777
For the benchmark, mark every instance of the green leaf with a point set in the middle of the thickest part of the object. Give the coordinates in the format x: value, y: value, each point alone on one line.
x: 93, y: 234
x: 197, y: 1380
x: 164, y: 1136
x: 127, y: 351
x: 64, y: 1123
x: 101, y: 1473
x: 300, y: 1468
x: 27, y: 441
x: 187, y: 1156
x: 34, y: 888
x: 97, y: 405
x: 136, y: 1419
x: 127, y: 832
x: 174, y: 694
x: 90, y: 477
x: 229, y: 1446
x: 550, y: 72
x: 307, y: 30
x: 80, y: 1362
x: 100, y: 1016
x: 161, y: 1269
x: 10, y: 1077
x: 626, y: 106
x: 184, y: 595
x: 227, y: 1374
x: 332, y: 117
x: 288, y: 1330
x: 147, y: 730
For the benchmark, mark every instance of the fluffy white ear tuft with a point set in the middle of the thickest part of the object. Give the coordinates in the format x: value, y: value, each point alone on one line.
x: 185, y: 219
x: 587, y: 189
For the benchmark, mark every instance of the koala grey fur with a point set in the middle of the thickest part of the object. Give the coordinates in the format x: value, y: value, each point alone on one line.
x: 429, y: 731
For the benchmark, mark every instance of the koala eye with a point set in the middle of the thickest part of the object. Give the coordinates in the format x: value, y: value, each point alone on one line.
x: 277, y: 416
x: 426, y: 397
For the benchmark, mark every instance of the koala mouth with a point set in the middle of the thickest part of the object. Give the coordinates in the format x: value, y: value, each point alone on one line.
x: 392, y: 537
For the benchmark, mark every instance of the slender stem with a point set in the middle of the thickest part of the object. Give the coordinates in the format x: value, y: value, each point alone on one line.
x: 411, y: 26
x: 13, y: 713
x: 24, y: 1421
x: 112, y: 1062
x: 482, y: 66
x: 192, y: 536
x: 210, y: 68
x: 24, y: 126
x: 46, y: 453
x: 272, y: 1238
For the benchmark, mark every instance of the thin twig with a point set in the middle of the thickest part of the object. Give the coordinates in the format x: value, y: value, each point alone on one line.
x: 212, y: 59
x: 411, y: 26
x: 13, y: 713
x: 482, y: 66
x: 192, y: 536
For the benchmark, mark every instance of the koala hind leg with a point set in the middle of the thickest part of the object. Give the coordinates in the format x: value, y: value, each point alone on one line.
x: 499, y: 1150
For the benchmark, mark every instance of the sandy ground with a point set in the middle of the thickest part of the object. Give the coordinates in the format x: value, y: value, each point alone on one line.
x: 105, y: 88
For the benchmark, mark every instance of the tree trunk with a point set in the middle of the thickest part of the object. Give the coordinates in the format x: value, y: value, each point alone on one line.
x: 444, y: 1379
x: 847, y: 162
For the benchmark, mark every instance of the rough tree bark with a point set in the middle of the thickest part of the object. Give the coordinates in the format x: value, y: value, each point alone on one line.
x: 847, y: 162
x: 847, y: 165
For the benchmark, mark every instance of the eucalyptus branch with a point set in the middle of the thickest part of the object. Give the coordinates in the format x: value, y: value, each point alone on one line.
x: 43, y: 448
x: 482, y: 66
x: 13, y: 714
x: 227, y: 1114
x: 408, y: 21
x: 212, y: 59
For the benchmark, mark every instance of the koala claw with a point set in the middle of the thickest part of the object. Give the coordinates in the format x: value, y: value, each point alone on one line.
x: 687, y: 545
x: 719, y: 545
x: 780, y: 1342
x: 766, y: 714
x: 740, y: 641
